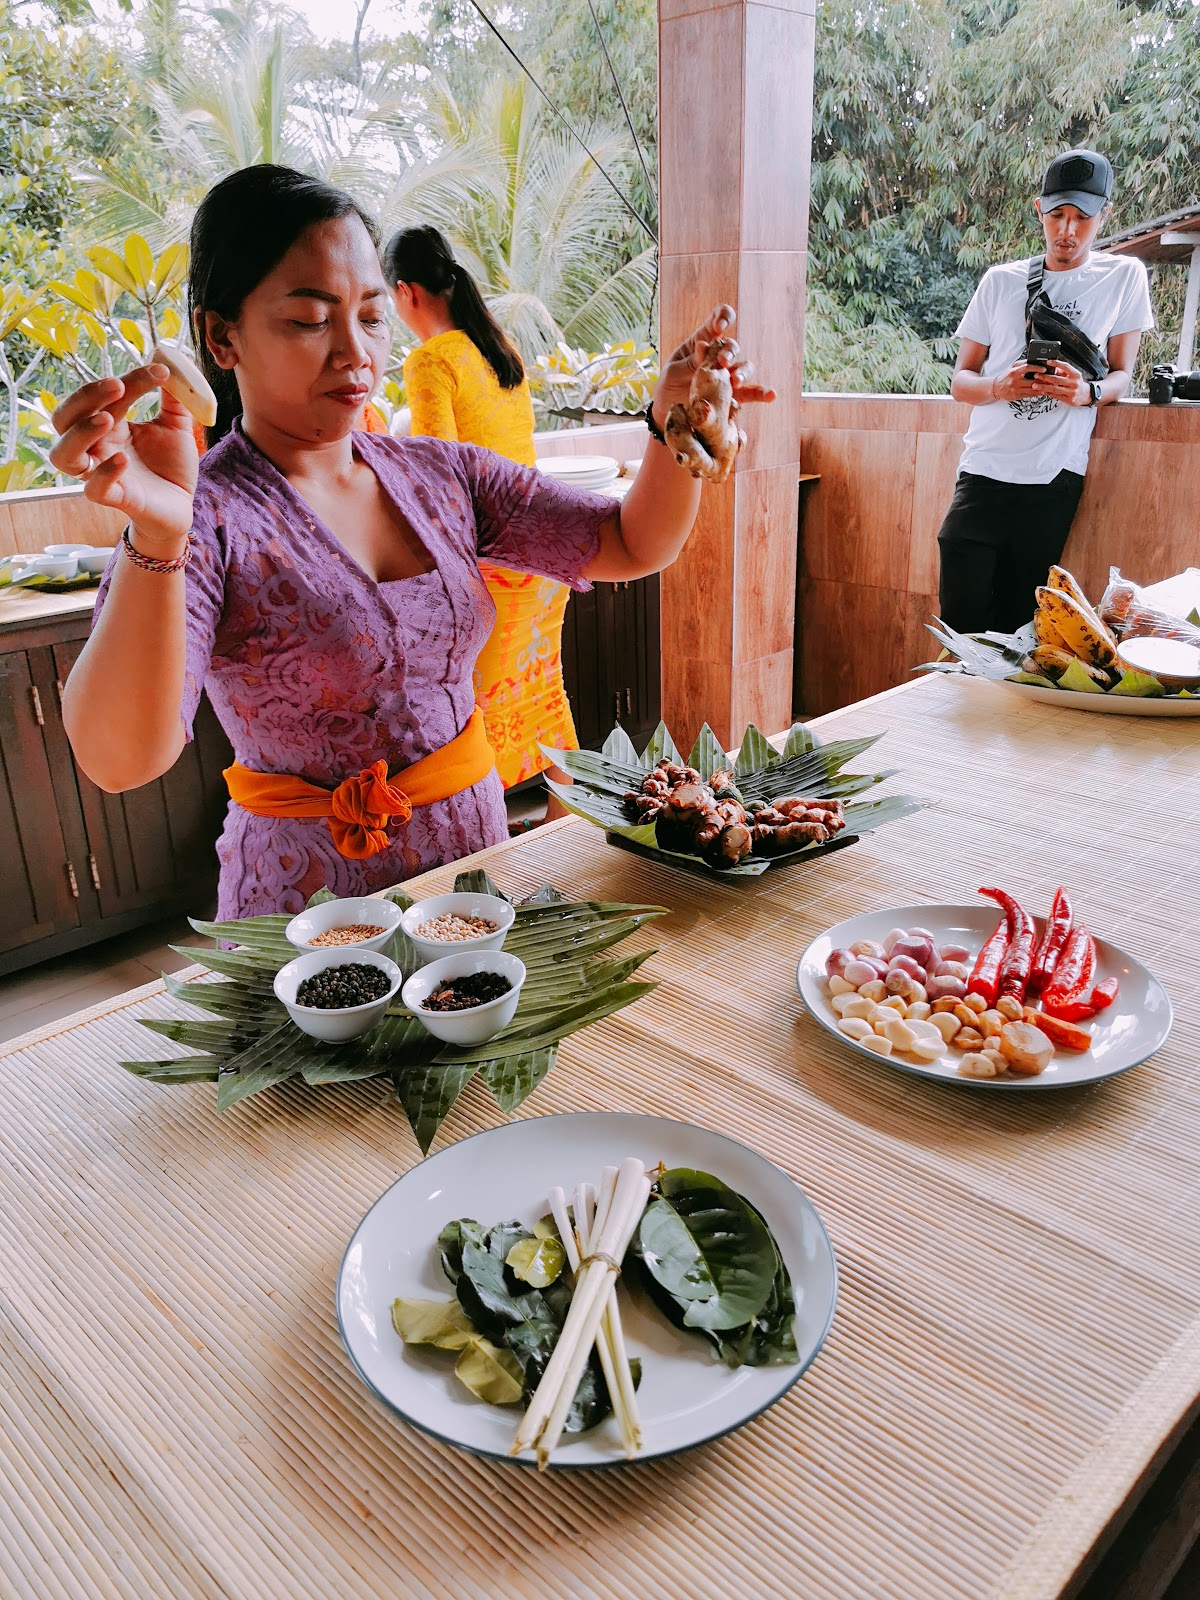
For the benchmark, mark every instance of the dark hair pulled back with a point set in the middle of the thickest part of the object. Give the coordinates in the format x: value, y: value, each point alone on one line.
x: 242, y: 229
x: 421, y: 255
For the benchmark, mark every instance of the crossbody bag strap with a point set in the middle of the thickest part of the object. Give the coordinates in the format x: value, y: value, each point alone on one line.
x: 1033, y: 287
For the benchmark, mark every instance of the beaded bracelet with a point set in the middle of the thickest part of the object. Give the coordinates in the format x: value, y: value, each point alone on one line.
x: 148, y: 563
x: 653, y: 427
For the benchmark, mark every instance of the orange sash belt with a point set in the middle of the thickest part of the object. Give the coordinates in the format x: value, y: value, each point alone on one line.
x: 360, y: 808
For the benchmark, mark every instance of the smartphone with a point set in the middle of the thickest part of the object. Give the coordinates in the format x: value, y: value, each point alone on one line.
x: 1041, y: 353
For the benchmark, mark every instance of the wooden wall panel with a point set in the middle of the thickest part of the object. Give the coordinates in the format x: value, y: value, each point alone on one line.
x: 868, y: 559
x: 37, y: 517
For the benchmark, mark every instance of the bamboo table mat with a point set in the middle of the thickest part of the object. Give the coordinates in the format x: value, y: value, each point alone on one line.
x: 1019, y: 1321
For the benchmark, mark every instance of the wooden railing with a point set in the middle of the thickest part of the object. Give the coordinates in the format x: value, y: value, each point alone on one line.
x: 885, y: 465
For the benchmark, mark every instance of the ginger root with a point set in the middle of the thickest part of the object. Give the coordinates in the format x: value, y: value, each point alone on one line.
x: 710, y: 820
x: 703, y: 434
x: 791, y: 824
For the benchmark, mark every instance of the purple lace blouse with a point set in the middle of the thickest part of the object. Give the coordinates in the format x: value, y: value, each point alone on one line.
x: 315, y: 669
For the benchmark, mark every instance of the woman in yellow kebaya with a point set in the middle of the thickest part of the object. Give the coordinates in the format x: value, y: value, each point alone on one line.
x: 465, y: 381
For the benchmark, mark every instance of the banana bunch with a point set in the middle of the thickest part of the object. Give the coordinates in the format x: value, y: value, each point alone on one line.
x: 1068, y: 629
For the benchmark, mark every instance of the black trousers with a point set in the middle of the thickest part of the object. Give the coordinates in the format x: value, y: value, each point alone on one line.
x: 997, y: 544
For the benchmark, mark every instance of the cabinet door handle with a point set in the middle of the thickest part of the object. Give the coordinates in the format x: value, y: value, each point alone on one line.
x: 629, y: 702
x: 617, y: 705
x: 73, y: 880
x: 95, y: 871
x: 37, y: 705
x: 58, y: 684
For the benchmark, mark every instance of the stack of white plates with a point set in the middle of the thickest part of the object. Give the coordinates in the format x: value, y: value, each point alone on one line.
x: 581, y: 472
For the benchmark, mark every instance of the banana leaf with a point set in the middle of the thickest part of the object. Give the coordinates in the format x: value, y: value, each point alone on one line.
x: 602, y: 778
x: 245, y: 1041
x: 1001, y: 657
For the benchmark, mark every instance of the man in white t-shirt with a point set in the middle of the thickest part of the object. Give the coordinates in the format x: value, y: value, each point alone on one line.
x: 1026, y: 449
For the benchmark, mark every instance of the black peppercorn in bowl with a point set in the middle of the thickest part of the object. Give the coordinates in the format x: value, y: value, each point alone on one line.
x: 458, y: 978
x: 338, y: 994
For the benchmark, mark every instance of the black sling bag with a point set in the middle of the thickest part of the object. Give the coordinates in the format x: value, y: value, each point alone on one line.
x: 1042, y: 321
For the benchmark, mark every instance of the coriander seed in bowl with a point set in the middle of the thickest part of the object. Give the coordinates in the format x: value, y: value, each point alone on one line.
x: 454, y: 923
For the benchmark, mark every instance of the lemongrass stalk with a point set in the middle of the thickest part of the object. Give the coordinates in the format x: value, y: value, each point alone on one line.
x: 576, y: 1248
x: 610, y: 1341
x: 543, y: 1423
x: 628, y: 1204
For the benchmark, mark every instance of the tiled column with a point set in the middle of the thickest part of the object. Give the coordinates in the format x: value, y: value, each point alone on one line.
x: 735, y: 129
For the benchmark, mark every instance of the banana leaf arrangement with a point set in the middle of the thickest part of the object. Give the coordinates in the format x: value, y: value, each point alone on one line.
x: 806, y: 767
x: 249, y: 1043
x: 1002, y: 657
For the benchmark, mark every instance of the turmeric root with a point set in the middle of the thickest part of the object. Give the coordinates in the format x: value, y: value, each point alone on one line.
x: 703, y: 434
x: 792, y: 823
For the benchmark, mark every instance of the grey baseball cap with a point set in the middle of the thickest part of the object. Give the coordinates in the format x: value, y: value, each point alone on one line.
x: 1080, y: 178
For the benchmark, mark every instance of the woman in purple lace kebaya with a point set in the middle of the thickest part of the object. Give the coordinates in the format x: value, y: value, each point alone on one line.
x: 331, y: 604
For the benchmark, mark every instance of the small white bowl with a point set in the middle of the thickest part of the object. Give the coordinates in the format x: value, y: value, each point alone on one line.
x: 364, y: 911
x: 335, y: 1027
x: 66, y: 549
x: 48, y: 567
x: 488, y: 906
x: 94, y: 560
x: 480, y: 1022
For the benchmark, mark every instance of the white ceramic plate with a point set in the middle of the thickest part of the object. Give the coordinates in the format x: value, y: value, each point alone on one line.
x: 686, y: 1397
x: 1128, y: 1033
x: 581, y: 472
x: 1113, y: 705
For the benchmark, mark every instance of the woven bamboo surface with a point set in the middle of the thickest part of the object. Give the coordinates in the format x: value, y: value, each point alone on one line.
x: 1019, y: 1322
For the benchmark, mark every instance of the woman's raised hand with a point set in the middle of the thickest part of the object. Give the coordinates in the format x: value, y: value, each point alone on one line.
x: 675, y: 382
x: 145, y: 469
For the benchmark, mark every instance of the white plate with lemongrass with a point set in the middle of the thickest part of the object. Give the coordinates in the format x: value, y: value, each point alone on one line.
x: 548, y: 1347
x: 1127, y: 1032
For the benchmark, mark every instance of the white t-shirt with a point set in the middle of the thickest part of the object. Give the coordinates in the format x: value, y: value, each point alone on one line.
x: 1032, y: 441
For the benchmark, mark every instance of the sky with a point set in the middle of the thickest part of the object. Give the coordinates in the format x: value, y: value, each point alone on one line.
x: 334, y: 19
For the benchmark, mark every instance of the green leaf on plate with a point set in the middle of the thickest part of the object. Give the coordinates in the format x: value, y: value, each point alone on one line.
x: 712, y: 1253
x: 1039, y: 679
x: 708, y: 753
x: 537, y: 1262
x: 756, y: 754
x: 661, y: 746
x: 620, y: 747
x: 1139, y: 684
x: 442, y: 1323
x: 1077, y: 680
x: 800, y: 740
x: 490, y: 1373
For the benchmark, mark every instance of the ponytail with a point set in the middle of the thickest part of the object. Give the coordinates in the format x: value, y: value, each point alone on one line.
x: 421, y: 255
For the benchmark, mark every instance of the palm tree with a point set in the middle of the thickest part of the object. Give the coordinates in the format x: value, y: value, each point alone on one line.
x: 539, y: 232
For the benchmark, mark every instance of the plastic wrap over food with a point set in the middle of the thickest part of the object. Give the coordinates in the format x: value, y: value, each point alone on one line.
x: 1126, y: 610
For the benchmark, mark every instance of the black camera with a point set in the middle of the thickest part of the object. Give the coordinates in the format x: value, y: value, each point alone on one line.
x: 1166, y: 384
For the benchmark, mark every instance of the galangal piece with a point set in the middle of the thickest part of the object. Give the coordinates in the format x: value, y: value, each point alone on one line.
x: 703, y: 434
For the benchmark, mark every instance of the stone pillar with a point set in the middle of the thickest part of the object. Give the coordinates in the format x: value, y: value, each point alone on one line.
x: 735, y: 130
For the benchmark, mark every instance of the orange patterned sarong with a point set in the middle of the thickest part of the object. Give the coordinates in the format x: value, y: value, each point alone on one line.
x: 518, y: 677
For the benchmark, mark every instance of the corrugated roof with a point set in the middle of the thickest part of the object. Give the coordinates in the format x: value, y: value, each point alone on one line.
x: 1142, y: 240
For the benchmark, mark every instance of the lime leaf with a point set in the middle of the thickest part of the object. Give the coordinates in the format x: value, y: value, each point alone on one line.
x: 443, y: 1323
x: 1140, y: 684
x: 1037, y: 678
x: 1077, y: 679
x: 1193, y: 616
x: 490, y: 1373
x: 537, y: 1262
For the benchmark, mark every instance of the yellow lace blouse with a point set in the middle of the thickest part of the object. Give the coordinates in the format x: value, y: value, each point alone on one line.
x: 454, y: 394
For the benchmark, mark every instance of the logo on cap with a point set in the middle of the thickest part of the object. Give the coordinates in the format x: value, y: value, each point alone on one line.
x: 1076, y: 172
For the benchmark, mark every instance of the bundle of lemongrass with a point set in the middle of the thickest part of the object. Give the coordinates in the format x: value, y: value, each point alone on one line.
x: 595, y: 1238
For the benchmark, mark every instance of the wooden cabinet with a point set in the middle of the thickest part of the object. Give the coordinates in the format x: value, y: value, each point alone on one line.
x: 78, y: 864
x: 41, y: 895
x: 611, y: 655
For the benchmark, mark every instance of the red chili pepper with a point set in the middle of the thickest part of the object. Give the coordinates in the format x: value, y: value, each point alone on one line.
x: 1068, y: 994
x: 1105, y: 993
x: 985, y: 975
x: 1018, y: 959
x: 1058, y: 926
